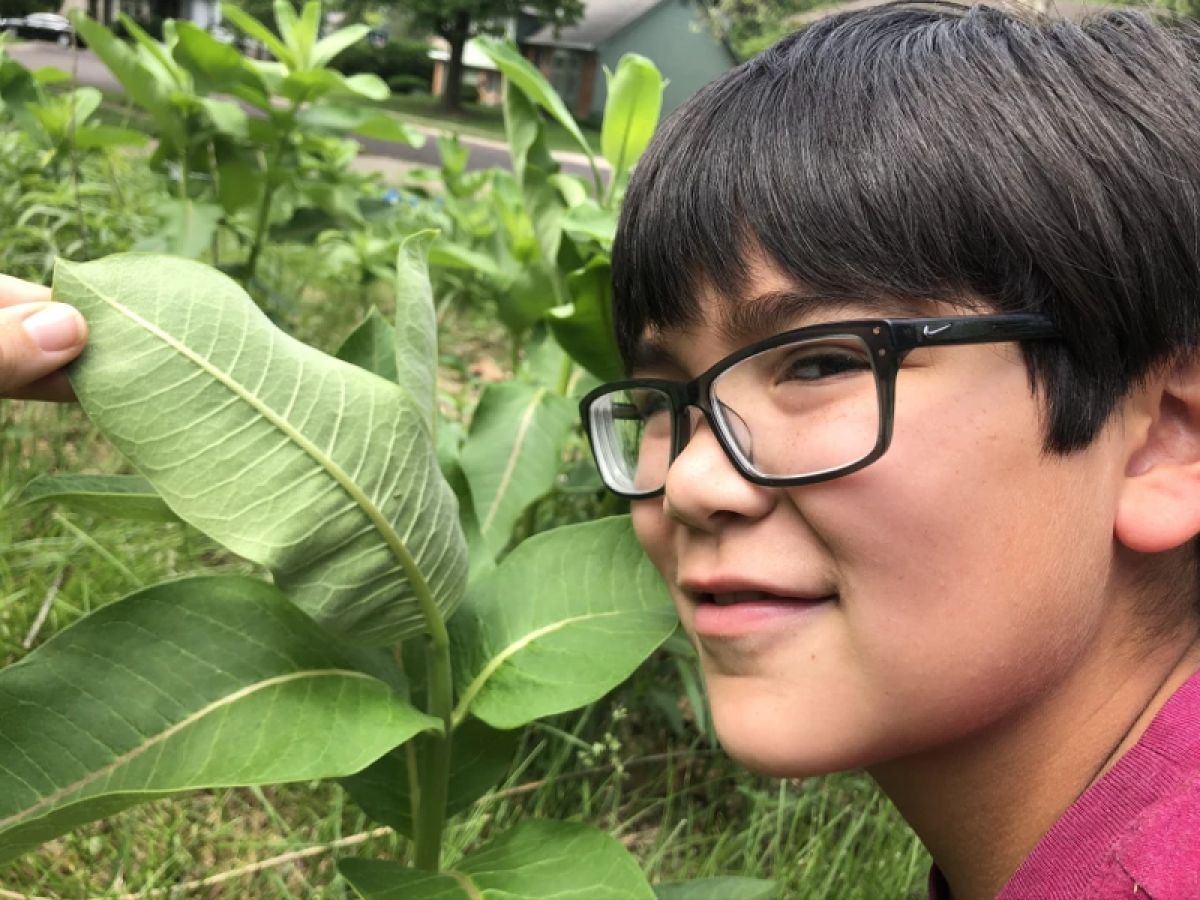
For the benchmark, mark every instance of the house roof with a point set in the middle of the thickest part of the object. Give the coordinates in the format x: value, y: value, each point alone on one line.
x: 1059, y: 9
x: 602, y: 20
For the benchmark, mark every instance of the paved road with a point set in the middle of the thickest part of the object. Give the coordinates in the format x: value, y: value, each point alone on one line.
x: 484, y: 154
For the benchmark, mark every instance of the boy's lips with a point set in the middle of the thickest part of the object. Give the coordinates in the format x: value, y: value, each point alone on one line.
x: 729, y: 608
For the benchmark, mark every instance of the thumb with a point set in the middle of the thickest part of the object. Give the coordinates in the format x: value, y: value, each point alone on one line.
x: 35, y: 340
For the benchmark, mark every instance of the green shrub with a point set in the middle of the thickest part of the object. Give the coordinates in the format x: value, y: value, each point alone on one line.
x: 408, y: 84
x: 15, y: 9
x: 394, y: 59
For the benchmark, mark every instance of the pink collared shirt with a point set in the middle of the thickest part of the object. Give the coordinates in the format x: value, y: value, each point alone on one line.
x: 1135, y: 833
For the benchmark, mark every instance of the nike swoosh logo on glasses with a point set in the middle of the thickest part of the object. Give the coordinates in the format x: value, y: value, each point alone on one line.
x: 930, y: 332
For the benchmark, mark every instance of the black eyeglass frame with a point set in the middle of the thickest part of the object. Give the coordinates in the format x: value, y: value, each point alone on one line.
x: 888, y: 341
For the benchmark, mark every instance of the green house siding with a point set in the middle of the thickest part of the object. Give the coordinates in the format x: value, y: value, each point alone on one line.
x: 675, y: 37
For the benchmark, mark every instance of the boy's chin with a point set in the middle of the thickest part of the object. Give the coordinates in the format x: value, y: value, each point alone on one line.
x: 787, y: 749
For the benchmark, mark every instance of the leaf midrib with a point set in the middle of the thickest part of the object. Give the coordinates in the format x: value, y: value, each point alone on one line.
x: 511, y: 463
x: 128, y: 756
x: 469, y: 887
x: 393, y: 540
x: 477, y: 683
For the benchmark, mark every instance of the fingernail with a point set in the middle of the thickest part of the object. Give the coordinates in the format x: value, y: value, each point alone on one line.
x: 57, y: 327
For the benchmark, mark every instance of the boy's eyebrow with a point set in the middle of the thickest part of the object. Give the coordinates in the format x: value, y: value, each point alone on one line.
x: 745, y: 321
x: 777, y: 311
x: 651, y: 353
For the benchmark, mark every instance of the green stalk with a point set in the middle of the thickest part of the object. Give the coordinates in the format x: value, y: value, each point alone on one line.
x: 434, y: 784
x: 185, y: 172
x: 435, y: 768
x: 564, y: 375
x: 264, y: 216
x: 264, y: 208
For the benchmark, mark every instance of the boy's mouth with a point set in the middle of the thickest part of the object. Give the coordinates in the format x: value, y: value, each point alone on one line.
x: 736, y: 598
x: 732, y: 598
x: 728, y: 613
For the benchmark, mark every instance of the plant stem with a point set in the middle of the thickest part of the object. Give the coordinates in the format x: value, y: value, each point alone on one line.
x: 435, y: 767
x: 185, y: 173
x: 260, y: 226
x: 564, y: 375
x: 269, y: 188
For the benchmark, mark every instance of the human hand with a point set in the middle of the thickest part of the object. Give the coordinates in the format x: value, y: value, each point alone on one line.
x: 37, y: 338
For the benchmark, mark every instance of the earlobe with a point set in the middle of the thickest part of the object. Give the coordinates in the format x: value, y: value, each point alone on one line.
x: 1159, y: 504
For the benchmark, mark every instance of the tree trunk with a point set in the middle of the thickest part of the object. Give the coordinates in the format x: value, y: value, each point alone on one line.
x: 452, y: 84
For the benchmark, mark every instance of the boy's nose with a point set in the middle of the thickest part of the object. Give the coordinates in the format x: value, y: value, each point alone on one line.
x: 702, y: 484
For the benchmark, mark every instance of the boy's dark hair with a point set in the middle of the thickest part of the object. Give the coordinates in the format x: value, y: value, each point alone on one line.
x: 930, y: 151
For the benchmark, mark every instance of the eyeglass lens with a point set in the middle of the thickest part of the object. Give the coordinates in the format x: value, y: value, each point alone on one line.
x: 800, y: 409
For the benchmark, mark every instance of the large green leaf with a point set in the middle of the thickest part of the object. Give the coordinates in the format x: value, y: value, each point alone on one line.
x: 245, y: 22
x: 331, y: 45
x: 525, y: 299
x: 526, y: 136
x: 630, y: 112
x: 291, y: 458
x: 524, y: 75
x: 145, y: 87
x: 372, y: 346
x: 119, y: 496
x: 718, y: 889
x: 368, y: 85
x: 155, y: 55
x: 228, y: 118
x: 563, y: 620
x: 512, y: 453
x: 383, y: 127
x: 584, y: 328
x: 591, y: 220
x: 187, y: 229
x: 216, y: 66
x: 450, y: 255
x: 416, y: 322
x: 204, y: 682
x: 537, y: 860
x: 479, y: 758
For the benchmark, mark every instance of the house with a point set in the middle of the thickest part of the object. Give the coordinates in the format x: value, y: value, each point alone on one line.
x: 1059, y: 9
x: 480, y: 75
x: 672, y: 33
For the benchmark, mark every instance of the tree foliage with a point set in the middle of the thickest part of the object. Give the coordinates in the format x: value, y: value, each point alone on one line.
x: 456, y: 21
x: 750, y: 26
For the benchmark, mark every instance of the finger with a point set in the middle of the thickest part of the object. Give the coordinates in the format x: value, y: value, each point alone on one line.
x: 35, y: 340
x: 14, y: 291
x: 55, y: 387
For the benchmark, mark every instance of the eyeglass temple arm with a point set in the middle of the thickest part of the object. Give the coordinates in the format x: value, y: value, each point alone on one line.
x: 911, y: 333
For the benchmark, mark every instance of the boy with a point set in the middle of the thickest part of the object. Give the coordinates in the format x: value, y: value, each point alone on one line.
x: 928, y: 506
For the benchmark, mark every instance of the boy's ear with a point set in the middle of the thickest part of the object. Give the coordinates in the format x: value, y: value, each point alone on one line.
x: 1159, y: 504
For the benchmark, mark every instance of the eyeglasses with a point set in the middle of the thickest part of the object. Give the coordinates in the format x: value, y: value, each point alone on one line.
x: 804, y: 406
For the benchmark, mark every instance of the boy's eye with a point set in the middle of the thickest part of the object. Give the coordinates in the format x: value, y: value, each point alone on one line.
x: 814, y: 364
x: 649, y: 403
x: 641, y: 405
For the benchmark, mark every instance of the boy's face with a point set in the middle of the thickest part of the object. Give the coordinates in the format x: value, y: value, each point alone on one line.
x: 943, y: 590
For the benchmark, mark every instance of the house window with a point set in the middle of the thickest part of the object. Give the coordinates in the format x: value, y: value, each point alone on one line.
x: 566, y: 69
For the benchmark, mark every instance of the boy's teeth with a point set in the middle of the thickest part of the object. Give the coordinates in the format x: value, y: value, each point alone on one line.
x: 738, y: 597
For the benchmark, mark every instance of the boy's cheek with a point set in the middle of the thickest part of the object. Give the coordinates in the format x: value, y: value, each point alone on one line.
x: 653, y: 530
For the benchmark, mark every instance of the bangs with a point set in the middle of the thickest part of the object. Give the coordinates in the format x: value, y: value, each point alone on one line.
x: 932, y: 152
